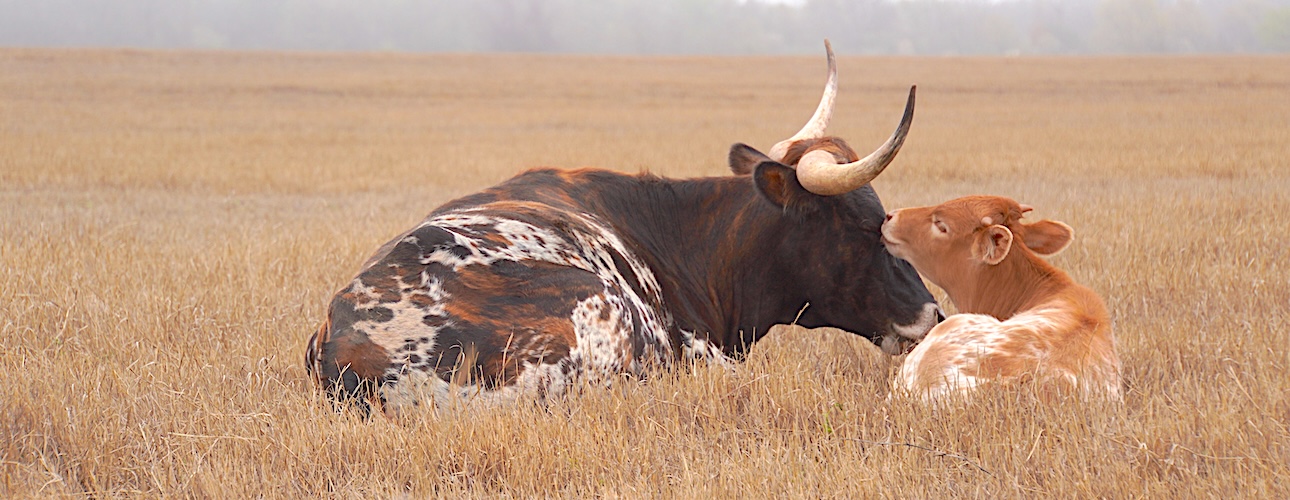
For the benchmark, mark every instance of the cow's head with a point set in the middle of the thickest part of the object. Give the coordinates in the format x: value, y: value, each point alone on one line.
x: 832, y: 240
x: 952, y: 243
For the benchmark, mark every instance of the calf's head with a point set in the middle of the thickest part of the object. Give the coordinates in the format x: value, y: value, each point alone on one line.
x: 953, y: 242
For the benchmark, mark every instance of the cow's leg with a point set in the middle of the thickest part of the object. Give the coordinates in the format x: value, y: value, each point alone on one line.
x: 699, y: 349
x: 347, y: 365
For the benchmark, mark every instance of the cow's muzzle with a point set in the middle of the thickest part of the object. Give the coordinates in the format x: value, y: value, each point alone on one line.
x: 900, y: 339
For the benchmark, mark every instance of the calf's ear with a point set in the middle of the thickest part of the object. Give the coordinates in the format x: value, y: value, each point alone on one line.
x: 744, y: 158
x: 1047, y: 237
x: 994, y: 243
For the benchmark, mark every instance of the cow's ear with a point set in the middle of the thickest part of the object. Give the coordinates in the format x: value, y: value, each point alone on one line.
x: 1047, y: 237
x: 743, y: 159
x: 779, y: 184
x: 994, y: 244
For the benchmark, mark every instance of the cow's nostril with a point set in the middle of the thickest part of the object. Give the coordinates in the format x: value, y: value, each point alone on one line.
x: 888, y: 217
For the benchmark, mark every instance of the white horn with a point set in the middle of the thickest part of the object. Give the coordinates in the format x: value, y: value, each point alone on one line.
x: 823, y: 113
x: 819, y: 172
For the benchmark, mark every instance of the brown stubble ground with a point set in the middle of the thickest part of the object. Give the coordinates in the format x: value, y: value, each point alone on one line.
x: 172, y: 224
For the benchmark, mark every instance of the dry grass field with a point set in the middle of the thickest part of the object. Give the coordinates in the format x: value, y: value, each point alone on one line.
x: 173, y: 223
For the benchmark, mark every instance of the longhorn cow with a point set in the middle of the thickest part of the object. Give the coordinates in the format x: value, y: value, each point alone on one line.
x: 556, y: 276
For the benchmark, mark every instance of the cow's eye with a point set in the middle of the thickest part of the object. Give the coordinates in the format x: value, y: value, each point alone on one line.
x: 940, y: 226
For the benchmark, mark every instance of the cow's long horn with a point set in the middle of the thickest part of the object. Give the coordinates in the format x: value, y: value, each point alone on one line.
x: 823, y: 113
x: 819, y: 172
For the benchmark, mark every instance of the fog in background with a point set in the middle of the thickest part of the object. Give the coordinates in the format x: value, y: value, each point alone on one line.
x: 933, y: 27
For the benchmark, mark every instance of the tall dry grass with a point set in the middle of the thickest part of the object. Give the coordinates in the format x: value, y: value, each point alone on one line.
x: 172, y: 224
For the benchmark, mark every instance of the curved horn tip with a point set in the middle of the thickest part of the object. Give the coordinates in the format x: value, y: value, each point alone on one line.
x: 909, y: 109
x: 815, y: 127
x: 826, y: 178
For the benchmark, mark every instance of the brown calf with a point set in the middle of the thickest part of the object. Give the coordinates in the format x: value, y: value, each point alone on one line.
x: 1021, y: 318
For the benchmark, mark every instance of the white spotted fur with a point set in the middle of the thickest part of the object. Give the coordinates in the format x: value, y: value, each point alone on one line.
x: 975, y: 338
x: 603, y: 345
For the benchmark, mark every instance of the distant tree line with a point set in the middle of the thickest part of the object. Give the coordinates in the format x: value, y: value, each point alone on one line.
x: 659, y: 26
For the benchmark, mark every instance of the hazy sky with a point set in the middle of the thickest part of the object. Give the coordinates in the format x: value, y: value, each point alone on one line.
x: 929, y: 27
